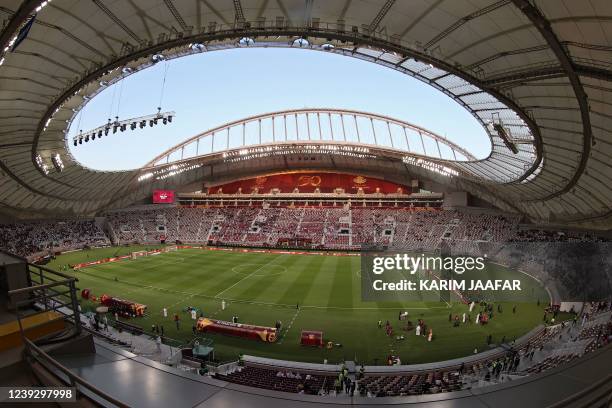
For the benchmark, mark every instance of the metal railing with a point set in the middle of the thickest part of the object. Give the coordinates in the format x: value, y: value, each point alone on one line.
x: 48, y: 291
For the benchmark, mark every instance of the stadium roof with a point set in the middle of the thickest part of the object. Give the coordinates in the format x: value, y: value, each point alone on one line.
x: 536, y: 73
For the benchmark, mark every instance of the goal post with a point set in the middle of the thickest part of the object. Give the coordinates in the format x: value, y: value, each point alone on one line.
x: 138, y: 254
x: 170, y: 248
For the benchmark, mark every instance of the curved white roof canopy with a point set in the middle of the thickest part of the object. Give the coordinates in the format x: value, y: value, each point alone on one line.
x: 544, y: 67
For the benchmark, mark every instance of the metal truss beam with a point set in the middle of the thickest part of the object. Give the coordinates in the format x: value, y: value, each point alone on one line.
x: 543, y: 26
x: 531, y: 75
x: 381, y: 14
x: 238, y: 13
x: 464, y: 20
x: 177, y: 16
x: 117, y: 20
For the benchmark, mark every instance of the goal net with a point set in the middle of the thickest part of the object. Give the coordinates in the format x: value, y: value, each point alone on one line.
x: 170, y: 248
x: 138, y: 254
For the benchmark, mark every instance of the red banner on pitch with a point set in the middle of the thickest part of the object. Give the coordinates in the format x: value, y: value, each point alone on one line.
x: 266, y: 334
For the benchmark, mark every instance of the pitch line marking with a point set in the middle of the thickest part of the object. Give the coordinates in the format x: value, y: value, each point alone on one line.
x: 252, y: 302
x: 297, y: 312
x: 182, y: 300
x: 281, y: 268
x: 246, y: 277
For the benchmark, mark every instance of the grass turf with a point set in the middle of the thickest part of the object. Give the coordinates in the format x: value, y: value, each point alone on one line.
x: 262, y: 288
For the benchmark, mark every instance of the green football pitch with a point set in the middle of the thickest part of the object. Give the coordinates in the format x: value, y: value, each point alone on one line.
x: 261, y: 288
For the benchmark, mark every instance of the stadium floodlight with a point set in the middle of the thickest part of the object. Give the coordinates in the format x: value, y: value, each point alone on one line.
x: 246, y: 41
x: 103, y: 83
x: 498, y: 126
x: 57, y: 162
x: 122, y: 125
x: 300, y: 42
x: 127, y: 70
x: 157, y: 58
x: 41, y: 164
x: 501, y: 132
x: 197, y: 47
x: 328, y: 47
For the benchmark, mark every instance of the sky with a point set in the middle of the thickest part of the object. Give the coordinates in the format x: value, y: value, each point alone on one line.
x: 209, y: 89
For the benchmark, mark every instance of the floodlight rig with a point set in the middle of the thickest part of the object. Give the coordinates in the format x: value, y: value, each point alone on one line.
x: 503, y: 133
x: 123, y: 125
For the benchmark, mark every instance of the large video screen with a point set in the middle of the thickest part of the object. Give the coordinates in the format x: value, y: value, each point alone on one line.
x: 163, y: 197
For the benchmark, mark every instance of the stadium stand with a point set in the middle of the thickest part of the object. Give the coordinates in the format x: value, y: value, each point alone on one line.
x: 32, y: 238
x: 543, y: 350
x: 315, y: 227
x: 332, y: 228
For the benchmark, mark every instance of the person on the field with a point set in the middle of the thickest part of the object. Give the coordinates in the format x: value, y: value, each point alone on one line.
x: 464, y: 316
x: 418, y: 329
x: 380, y: 324
x: 165, y: 312
x: 514, y: 309
x: 177, y: 320
x: 478, y: 318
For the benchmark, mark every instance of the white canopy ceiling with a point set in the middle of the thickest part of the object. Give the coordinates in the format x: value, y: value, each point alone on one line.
x: 544, y: 65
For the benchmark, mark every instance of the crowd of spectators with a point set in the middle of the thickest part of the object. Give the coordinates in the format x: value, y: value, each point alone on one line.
x: 338, y: 228
x: 29, y: 238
